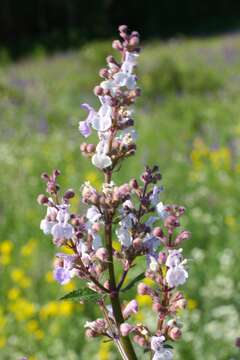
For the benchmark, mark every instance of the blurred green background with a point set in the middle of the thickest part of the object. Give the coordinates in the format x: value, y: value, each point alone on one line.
x: 188, y: 120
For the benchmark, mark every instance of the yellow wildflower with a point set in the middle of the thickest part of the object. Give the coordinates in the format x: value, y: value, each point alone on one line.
x: 116, y: 245
x: 22, y: 309
x: 25, y: 282
x: 2, y: 322
x: 6, y: 247
x: 5, y: 252
x: 104, y: 351
x: 93, y: 178
x: 65, y: 308
x: 13, y: 294
x: 31, y: 326
x: 49, y: 277
x: 39, y: 334
x: 69, y: 287
x: 28, y: 248
x: 17, y: 274
x: 144, y: 300
x: 230, y: 221
x: 148, y: 282
x: 192, y: 304
x: 3, y: 341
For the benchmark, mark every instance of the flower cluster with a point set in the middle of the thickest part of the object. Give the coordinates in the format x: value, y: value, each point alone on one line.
x: 132, y: 214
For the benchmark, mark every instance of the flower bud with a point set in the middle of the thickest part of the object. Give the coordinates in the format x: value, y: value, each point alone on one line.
x: 143, y: 289
x: 123, y: 28
x: 90, y: 333
x: 171, y: 221
x: 83, y: 147
x: 125, y: 329
x: 140, y: 340
x: 157, y: 307
x: 90, y: 148
x: 102, y: 254
x: 162, y: 257
x: 174, y: 333
x: 184, y: 235
x: 45, y: 176
x: 103, y: 73
x: 157, y: 231
x: 134, y: 41
x: 137, y: 243
x: 42, y: 199
x: 133, y: 184
x: 69, y: 194
x: 98, y: 90
x: 116, y: 44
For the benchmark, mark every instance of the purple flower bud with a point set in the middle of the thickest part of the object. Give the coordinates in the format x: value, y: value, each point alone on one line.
x: 125, y: 329
x: 184, y: 235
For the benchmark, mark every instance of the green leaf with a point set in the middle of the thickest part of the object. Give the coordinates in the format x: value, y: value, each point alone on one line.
x: 85, y: 294
x: 134, y: 281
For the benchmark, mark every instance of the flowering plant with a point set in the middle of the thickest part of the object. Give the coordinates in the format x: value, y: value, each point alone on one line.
x: 131, y: 213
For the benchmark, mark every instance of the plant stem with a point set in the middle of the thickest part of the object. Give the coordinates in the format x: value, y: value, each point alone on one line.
x: 114, y: 296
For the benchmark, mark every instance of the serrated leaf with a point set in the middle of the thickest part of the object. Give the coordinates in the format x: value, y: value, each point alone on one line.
x: 134, y: 281
x: 85, y: 294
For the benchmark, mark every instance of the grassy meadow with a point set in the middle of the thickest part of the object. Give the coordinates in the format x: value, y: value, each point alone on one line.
x: 188, y: 121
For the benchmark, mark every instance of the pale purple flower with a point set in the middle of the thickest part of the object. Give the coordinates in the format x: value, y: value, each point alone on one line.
x: 62, y: 230
x: 131, y: 308
x: 176, y: 275
x: 157, y: 342
x: 101, y: 160
x: 63, y: 274
x: 93, y: 214
x: 163, y: 354
x: 129, y: 62
x: 125, y: 79
x: 161, y: 210
x: 49, y: 221
x: 160, y: 353
x: 155, y: 196
x: 124, y: 236
x: 85, y: 128
x: 174, y: 258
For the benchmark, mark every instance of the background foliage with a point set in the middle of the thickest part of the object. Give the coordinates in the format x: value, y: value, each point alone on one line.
x: 52, y: 24
x: 188, y: 122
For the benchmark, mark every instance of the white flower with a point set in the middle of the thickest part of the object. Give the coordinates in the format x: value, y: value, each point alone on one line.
x: 48, y: 222
x: 97, y: 241
x: 155, y: 197
x: 62, y: 230
x: 102, y: 121
x: 161, y: 210
x: 101, y: 160
x: 163, y: 354
x: 176, y: 275
x: 157, y: 342
x: 129, y: 62
x: 93, y: 214
x: 174, y: 258
x: 125, y: 79
x: 124, y: 236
